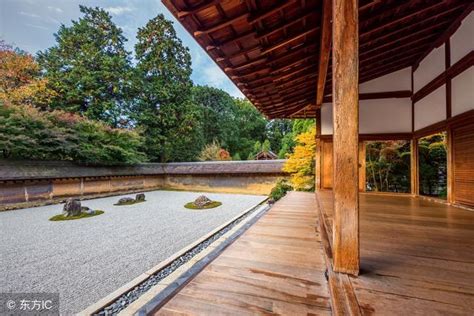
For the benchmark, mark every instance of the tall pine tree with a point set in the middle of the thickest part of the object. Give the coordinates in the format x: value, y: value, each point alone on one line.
x: 89, y: 67
x: 163, y: 108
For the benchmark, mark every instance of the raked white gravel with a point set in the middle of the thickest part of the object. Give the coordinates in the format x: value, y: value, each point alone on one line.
x: 84, y: 260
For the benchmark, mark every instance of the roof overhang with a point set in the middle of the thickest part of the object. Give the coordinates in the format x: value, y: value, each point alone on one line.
x: 273, y: 50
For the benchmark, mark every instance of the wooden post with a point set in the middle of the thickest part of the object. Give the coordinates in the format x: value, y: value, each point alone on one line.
x: 318, y: 163
x: 414, y: 175
x: 450, y: 166
x: 362, y: 167
x: 346, y: 129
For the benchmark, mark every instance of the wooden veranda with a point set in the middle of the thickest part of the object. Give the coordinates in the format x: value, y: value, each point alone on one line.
x: 365, y: 70
x: 416, y: 258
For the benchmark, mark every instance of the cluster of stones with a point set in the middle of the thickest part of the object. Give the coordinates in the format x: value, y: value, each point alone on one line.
x: 202, y: 201
x: 73, y: 207
x: 126, y: 299
x: 128, y: 200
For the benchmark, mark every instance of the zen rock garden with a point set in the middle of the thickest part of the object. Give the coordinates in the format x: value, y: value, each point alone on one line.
x: 73, y: 209
x: 202, y: 202
x: 129, y: 201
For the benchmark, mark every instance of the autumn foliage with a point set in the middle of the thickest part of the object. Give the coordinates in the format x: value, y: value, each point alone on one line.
x: 29, y: 129
x: 19, y: 79
x: 213, y: 152
x: 300, y: 163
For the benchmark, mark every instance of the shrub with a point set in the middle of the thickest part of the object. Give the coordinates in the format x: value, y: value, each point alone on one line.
x: 213, y: 151
x: 279, y: 190
x: 29, y: 133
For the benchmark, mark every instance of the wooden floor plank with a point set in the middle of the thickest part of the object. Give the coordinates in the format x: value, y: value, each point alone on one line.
x: 417, y: 256
x: 276, y: 267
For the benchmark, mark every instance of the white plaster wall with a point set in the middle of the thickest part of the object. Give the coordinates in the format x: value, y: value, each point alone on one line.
x: 375, y: 116
x: 462, y: 92
x: 462, y: 42
x: 395, y: 81
x: 326, y: 119
x: 431, y: 109
x: 385, y: 116
x: 430, y: 67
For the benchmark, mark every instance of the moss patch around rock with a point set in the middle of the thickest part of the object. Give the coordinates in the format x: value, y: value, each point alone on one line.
x: 61, y: 217
x: 193, y: 206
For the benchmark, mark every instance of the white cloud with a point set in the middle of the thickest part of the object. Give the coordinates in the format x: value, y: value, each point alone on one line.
x: 37, y: 26
x: 56, y: 9
x: 119, y: 10
x: 31, y: 15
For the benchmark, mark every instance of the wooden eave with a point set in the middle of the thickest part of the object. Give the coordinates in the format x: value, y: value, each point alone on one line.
x: 272, y: 49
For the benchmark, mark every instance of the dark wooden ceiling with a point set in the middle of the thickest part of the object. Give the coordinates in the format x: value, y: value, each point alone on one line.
x: 270, y: 49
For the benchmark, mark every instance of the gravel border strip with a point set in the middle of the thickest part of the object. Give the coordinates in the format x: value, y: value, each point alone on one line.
x: 114, y: 306
x: 195, y: 267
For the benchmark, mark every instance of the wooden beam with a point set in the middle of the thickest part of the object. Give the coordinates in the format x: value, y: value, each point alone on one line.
x: 379, y: 95
x: 272, y: 61
x: 262, y: 15
x: 232, y: 40
x: 289, y: 40
x: 246, y: 65
x: 366, y: 33
x: 294, y: 72
x: 324, y: 51
x: 461, y: 65
x: 205, y: 5
x: 346, y: 133
x: 220, y: 25
x: 408, y: 27
x: 447, y: 55
x: 396, y: 51
x: 285, y: 25
x: 404, y: 40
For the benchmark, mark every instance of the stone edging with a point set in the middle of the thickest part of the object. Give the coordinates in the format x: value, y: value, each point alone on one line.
x: 245, y: 218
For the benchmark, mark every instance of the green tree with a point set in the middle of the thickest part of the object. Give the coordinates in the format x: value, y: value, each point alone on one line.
x: 257, y: 147
x: 249, y: 127
x: 162, y: 83
x: 275, y: 132
x: 266, y: 145
x: 218, y: 113
x: 433, y: 165
x: 288, y: 142
x: 89, y: 67
x: 388, y: 166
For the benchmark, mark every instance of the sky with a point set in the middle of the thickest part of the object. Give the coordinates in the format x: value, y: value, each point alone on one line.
x: 31, y: 24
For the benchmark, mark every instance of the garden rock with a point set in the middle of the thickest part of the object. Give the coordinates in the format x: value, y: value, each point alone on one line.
x: 126, y: 200
x: 72, y: 207
x: 88, y: 211
x: 202, y: 201
x: 140, y: 197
